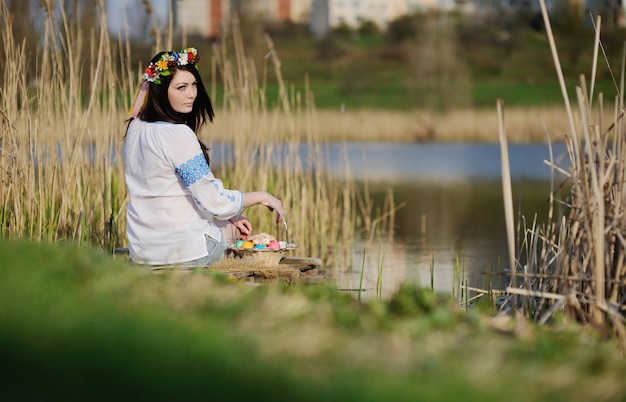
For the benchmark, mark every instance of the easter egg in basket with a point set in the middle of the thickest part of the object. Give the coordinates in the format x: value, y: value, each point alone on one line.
x: 261, y: 247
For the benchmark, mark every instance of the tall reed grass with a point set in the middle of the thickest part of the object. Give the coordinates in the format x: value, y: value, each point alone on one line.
x: 574, y: 264
x: 60, y: 168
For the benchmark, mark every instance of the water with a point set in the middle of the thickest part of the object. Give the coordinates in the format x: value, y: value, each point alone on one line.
x: 441, y: 162
x: 451, y: 229
x: 445, y: 233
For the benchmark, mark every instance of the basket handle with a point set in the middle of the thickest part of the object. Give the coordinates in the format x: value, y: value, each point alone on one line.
x: 290, y: 242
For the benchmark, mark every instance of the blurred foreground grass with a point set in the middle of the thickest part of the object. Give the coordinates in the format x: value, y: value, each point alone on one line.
x: 76, y: 324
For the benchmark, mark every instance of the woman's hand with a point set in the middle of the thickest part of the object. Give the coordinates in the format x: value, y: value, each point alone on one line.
x: 274, y: 204
x: 262, y: 197
x: 243, y: 225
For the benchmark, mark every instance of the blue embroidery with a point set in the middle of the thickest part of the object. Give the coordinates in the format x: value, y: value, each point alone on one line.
x: 230, y: 197
x: 193, y: 170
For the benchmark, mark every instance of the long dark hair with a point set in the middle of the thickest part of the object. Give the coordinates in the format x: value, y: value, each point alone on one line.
x: 157, y: 106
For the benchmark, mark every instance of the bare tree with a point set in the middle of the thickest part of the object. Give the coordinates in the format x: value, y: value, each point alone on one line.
x: 440, y: 79
x: 252, y: 22
x: 24, y: 31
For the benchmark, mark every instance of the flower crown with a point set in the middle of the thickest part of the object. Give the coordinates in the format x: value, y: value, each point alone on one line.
x: 168, y: 63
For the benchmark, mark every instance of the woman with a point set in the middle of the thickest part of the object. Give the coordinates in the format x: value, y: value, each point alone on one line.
x: 178, y: 212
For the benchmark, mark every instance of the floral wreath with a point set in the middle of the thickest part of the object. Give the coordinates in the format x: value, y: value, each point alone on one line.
x: 168, y: 63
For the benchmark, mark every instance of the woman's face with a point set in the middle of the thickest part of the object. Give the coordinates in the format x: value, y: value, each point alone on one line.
x: 182, y: 91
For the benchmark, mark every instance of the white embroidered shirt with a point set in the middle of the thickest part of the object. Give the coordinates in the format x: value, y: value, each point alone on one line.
x: 173, y: 195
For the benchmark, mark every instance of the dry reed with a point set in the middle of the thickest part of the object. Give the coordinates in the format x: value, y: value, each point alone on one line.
x: 58, y: 177
x: 525, y: 124
x: 574, y: 263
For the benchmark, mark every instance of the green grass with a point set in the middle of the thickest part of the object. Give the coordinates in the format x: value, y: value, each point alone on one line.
x: 371, y: 72
x: 396, y: 95
x: 519, y: 94
x: 77, y: 325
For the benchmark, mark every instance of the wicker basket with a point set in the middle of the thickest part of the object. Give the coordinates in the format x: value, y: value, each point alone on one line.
x: 265, y: 256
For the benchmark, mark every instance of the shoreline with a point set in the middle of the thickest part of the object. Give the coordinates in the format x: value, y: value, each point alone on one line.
x: 522, y: 124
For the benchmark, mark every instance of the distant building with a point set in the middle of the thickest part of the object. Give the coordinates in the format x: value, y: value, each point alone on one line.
x: 285, y: 10
x: 416, y: 6
x: 328, y: 14
x: 320, y: 18
x: 210, y: 18
x: 201, y: 17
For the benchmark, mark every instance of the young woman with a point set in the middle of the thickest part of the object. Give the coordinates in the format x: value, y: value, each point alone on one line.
x: 179, y: 212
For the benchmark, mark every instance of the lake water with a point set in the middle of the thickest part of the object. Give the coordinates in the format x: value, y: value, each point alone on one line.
x: 451, y: 228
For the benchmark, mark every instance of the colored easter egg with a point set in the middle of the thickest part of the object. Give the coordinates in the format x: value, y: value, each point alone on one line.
x: 257, y: 246
x: 274, y: 245
x: 247, y: 244
x: 239, y: 243
x: 283, y: 244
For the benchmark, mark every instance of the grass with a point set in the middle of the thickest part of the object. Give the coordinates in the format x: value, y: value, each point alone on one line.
x: 370, y: 71
x: 519, y: 94
x: 77, y: 325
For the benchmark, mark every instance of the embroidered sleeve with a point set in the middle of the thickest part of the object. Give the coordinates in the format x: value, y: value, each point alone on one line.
x: 193, y: 170
x: 207, y: 191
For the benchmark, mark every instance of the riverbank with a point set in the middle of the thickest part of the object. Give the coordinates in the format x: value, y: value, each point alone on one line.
x: 523, y: 124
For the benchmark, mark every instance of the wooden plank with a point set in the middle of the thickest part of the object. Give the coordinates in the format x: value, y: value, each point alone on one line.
x: 294, y: 260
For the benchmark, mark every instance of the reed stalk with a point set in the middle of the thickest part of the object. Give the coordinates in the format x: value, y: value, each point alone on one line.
x: 573, y: 264
x: 361, y: 277
x: 507, y: 191
x: 379, y: 276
